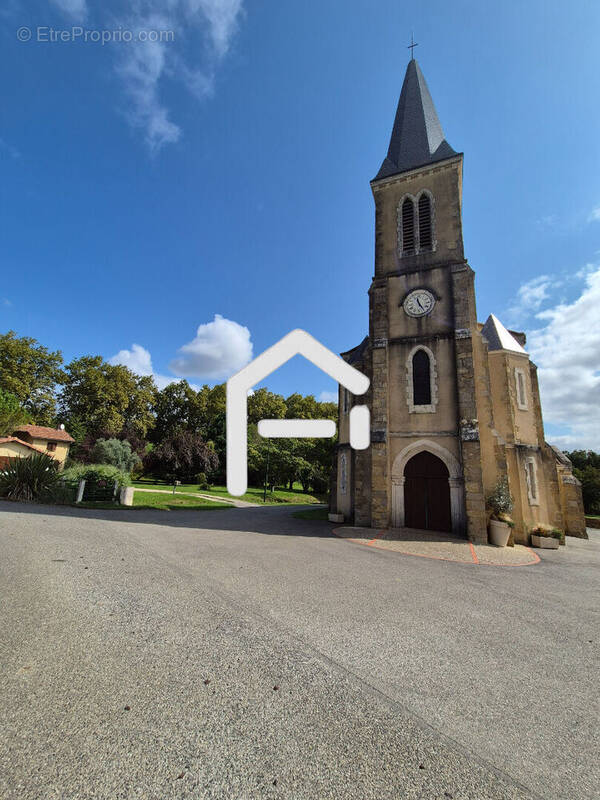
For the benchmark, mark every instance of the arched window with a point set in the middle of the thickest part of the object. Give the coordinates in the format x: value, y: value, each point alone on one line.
x: 425, y: 232
x: 408, y: 225
x: 421, y: 375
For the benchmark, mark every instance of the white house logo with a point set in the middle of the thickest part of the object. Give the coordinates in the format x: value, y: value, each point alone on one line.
x: 296, y: 342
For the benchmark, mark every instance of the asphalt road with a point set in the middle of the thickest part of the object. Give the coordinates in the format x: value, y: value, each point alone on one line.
x: 246, y: 654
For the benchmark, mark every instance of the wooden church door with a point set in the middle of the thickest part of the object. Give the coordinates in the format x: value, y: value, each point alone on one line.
x: 427, y: 494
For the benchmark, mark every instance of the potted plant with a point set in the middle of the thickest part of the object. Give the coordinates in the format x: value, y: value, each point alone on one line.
x: 546, y: 537
x: 500, y: 504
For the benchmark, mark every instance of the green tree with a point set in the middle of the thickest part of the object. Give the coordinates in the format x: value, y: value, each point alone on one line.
x: 116, y: 452
x: 30, y: 372
x: 263, y: 404
x: 182, y: 455
x: 306, y: 407
x: 584, y: 458
x: 107, y: 398
x: 586, y: 468
x: 12, y: 413
x: 590, y: 488
x: 178, y: 406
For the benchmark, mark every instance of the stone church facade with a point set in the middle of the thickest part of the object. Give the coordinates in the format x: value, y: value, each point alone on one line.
x: 454, y: 403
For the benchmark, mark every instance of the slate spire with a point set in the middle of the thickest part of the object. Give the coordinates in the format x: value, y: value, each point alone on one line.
x: 417, y: 137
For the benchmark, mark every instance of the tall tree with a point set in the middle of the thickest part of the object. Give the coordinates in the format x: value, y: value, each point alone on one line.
x: 178, y: 406
x: 12, y: 413
x: 30, y: 372
x: 306, y: 407
x: 107, y: 398
x: 263, y: 404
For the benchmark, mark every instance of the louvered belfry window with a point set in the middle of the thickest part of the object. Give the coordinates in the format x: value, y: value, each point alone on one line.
x: 425, y: 233
x: 421, y: 375
x: 408, y: 225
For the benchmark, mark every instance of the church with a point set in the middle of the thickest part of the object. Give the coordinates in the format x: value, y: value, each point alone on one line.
x: 454, y: 403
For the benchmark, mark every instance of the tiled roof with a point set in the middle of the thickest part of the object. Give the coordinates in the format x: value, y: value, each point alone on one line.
x: 5, y: 439
x: 417, y: 137
x: 51, y: 434
x: 499, y: 338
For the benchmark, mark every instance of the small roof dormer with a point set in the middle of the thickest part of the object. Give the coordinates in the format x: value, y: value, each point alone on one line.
x: 499, y: 338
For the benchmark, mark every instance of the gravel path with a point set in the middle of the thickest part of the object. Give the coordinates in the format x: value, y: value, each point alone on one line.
x: 215, y: 499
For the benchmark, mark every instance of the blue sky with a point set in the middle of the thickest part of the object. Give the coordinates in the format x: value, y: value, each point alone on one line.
x: 148, y: 187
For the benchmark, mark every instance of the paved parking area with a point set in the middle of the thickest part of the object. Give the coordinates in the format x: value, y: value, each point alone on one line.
x: 247, y: 654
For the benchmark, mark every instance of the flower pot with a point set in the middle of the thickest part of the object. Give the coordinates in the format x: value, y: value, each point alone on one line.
x: 547, y: 542
x: 499, y: 533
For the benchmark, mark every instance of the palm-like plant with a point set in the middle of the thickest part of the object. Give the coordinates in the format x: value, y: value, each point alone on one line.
x: 29, y: 478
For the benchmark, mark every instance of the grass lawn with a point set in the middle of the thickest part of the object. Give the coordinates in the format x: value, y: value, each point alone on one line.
x: 312, y: 513
x: 253, y: 495
x: 170, y: 502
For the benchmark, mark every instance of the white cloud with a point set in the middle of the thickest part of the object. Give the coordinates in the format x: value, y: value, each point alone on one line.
x: 6, y: 302
x: 328, y: 397
x: 530, y: 297
x: 594, y: 215
x: 144, y: 66
x: 139, y: 360
x: 220, y: 348
x: 140, y: 68
x: 77, y: 9
x: 567, y: 352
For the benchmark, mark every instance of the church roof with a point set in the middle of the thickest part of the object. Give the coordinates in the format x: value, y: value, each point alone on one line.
x: 499, y: 338
x: 356, y: 354
x: 417, y: 137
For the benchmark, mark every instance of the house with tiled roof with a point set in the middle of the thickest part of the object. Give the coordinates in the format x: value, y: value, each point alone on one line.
x: 56, y: 442
x: 13, y: 447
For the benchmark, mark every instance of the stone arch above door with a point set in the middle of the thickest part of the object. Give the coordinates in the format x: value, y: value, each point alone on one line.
x: 455, y: 481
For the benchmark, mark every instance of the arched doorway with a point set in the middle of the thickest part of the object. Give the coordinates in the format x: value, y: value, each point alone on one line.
x: 427, y: 493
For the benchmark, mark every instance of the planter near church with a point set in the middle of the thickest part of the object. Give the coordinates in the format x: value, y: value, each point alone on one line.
x: 546, y: 537
x: 500, y: 504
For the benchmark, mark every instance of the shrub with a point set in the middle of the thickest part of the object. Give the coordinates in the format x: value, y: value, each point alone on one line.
x: 96, y: 473
x: 116, y: 452
x: 202, y: 481
x: 31, y: 478
x: 500, y: 501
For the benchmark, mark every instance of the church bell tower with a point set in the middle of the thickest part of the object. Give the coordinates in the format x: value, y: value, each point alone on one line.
x: 423, y: 469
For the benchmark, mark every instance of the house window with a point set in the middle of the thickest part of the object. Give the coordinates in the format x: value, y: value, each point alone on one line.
x: 51, y: 447
x: 521, y: 389
x: 425, y: 232
x: 343, y: 474
x: 421, y: 381
x: 532, y: 482
x: 421, y: 374
x: 408, y: 226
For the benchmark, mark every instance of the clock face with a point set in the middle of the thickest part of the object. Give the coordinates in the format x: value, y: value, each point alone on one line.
x: 419, y: 303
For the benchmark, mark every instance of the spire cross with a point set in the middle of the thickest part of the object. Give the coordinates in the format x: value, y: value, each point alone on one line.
x: 412, y: 46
